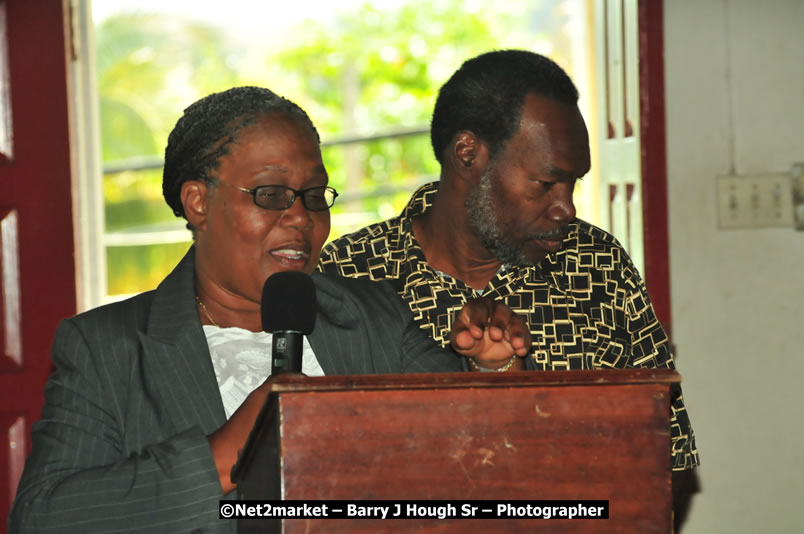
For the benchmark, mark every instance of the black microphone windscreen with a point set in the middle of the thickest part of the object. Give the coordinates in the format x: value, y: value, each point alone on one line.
x: 288, y: 303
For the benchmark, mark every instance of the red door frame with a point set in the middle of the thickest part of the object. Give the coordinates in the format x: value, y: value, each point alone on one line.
x: 36, y: 202
x: 654, y: 157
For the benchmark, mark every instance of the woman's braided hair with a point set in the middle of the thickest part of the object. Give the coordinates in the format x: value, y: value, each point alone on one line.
x: 206, y: 130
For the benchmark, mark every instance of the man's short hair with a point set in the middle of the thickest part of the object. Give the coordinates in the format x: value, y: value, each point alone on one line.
x: 486, y: 96
x: 206, y: 130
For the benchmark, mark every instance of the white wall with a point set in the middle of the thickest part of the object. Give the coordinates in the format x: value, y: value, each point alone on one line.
x: 735, y: 104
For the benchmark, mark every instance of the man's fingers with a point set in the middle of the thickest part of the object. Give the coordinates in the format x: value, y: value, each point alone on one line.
x: 500, y: 322
x: 475, y: 316
x: 464, y: 334
x: 463, y: 340
x: 480, y: 311
x: 516, y: 331
x: 488, y: 327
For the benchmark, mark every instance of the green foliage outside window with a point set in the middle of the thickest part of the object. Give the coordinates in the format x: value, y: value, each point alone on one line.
x: 360, y: 73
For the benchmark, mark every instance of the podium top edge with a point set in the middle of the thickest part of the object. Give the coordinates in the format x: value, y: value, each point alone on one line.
x: 603, y: 377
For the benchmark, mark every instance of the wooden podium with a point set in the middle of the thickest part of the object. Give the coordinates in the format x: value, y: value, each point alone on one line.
x: 579, y: 435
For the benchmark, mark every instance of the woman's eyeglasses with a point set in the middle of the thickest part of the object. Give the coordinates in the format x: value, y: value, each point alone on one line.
x: 280, y: 197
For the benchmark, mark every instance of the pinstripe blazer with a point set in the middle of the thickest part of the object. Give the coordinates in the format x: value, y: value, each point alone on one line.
x: 122, y: 443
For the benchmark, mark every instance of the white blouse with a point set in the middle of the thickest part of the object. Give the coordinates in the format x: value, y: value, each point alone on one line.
x: 242, y: 361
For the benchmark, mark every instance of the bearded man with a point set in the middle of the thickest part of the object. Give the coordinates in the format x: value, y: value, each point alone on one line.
x: 501, y: 222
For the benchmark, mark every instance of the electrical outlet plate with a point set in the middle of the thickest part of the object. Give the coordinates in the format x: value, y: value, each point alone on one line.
x: 798, y: 195
x: 762, y: 201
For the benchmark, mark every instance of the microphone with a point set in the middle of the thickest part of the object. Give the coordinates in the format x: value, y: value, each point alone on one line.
x: 288, y: 312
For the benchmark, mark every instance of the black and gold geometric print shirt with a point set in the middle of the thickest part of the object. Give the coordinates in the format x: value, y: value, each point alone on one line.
x: 586, y: 305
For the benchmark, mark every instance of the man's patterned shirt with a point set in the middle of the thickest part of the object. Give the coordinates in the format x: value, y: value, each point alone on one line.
x: 586, y: 305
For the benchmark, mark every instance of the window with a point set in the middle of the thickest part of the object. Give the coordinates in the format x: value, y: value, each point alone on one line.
x: 366, y: 72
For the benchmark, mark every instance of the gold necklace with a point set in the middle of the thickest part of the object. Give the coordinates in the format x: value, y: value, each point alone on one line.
x: 204, y: 309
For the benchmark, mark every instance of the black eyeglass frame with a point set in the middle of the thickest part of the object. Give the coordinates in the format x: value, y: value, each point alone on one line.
x: 297, y: 193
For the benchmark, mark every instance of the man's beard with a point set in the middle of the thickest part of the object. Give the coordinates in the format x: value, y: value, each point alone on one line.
x: 484, y: 223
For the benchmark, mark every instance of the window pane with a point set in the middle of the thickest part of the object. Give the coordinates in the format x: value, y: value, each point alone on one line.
x: 376, y: 178
x: 133, y: 269
x: 134, y: 201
